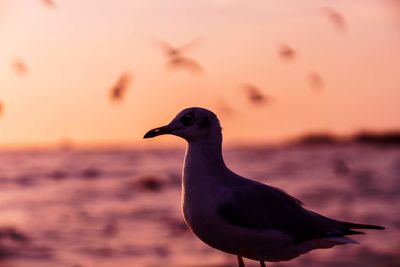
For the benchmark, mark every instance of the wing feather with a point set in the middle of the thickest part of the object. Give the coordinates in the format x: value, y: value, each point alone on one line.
x: 259, y: 206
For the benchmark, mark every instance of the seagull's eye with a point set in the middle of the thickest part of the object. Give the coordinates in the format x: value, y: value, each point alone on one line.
x: 187, y: 120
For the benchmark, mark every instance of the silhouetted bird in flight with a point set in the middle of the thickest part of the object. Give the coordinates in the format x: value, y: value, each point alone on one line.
x: 118, y: 90
x: 286, y: 52
x: 20, y: 67
x: 238, y: 215
x: 184, y: 62
x: 315, y: 80
x: 172, y: 51
x: 255, y: 95
x: 177, y: 60
x: 336, y: 18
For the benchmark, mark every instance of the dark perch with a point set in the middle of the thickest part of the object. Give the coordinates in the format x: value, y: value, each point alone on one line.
x: 241, y: 262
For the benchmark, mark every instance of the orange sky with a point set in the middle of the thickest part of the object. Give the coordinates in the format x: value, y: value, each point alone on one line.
x: 76, y: 50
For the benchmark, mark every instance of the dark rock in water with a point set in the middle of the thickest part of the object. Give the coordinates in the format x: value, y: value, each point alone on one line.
x: 13, y: 234
x: 150, y: 183
x: 91, y: 173
x: 58, y: 175
x: 340, y: 167
x: 110, y: 228
x: 162, y: 251
x: 25, y: 181
x: 15, y: 244
x: 6, y: 253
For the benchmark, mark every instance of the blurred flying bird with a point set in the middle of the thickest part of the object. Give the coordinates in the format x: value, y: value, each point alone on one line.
x: 49, y: 3
x: 118, y: 90
x: 240, y: 216
x: 176, y: 58
x: 315, y: 80
x: 1, y: 108
x: 20, y: 67
x: 286, y: 52
x: 224, y: 108
x: 335, y: 18
x: 184, y: 62
x: 255, y: 95
x: 171, y: 51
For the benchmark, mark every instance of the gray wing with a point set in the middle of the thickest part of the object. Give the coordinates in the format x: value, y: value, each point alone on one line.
x: 258, y: 206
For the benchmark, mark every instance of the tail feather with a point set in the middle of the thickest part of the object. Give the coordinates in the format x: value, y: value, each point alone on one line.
x: 352, y: 232
x: 363, y: 226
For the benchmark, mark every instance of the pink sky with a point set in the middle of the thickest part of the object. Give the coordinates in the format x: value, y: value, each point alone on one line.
x: 78, y: 49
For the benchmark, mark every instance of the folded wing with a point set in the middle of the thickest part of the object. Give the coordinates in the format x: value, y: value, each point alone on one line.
x: 262, y: 207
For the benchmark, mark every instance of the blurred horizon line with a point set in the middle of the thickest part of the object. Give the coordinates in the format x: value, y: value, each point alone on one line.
x: 380, y: 137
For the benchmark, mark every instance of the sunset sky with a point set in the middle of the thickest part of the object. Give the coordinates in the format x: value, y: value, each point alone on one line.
x: 76, y: 50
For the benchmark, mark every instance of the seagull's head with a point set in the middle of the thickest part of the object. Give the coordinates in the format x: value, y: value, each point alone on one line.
x: 192, y: 124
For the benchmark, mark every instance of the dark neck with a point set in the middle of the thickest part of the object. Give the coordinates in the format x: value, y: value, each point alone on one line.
x: 206, y: 154
x: 208, y: 150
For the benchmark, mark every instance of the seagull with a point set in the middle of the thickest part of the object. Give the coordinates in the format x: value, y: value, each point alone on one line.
x: 118, y: 90
x: 185, y: 62
x: 172, y: 51
x: 335, y: 18
x: 255, y: 95
x: 176, y: 58
x: 315, y: 80
x: 238, y: 215
x: 286, y: 52
x: 20, y: 67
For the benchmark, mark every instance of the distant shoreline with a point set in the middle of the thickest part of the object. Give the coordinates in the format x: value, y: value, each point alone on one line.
x: 365, y: 137
x: 386, y: 138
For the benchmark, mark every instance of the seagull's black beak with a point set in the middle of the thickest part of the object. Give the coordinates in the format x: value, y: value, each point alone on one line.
x: 157, y: 131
